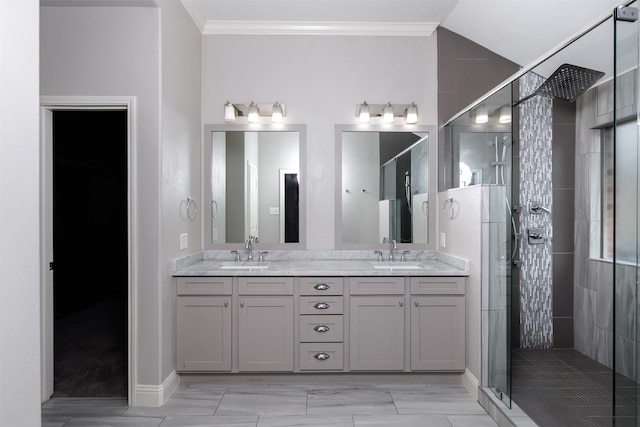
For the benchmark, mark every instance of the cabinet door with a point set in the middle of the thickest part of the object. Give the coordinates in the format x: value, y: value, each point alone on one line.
x: 438, y: 333
x: 204, y: 333
x: 376, y: 333
x: 265, y: 334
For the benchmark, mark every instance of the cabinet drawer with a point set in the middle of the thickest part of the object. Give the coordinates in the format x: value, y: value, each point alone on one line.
x: 265, y: 286
x: 321, y: 286
x: 321, y: 305
x: 318, y: 357
x: 376, y: 285
x: 321, y: 328
x: 438, y: 285
x: 204, y: 285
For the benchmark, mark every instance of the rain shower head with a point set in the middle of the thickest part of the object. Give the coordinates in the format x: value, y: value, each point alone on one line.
x: 568, y: 82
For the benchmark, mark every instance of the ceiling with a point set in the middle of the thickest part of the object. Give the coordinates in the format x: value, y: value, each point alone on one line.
x: 519, y: 30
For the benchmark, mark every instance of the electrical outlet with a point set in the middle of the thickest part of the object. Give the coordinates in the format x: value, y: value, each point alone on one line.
x: 443, y: 240
x: 184, y: 241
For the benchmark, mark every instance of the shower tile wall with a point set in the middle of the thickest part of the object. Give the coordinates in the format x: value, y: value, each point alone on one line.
x: 535, y: 135
x: 563, y: 182
x: 593, y: 276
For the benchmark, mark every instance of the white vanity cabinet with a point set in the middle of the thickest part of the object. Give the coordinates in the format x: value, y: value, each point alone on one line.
x: 376, y: 323
x: 321, y: 323
x: 438, y: 324
x: 265, y: 324
x: 203, y: 324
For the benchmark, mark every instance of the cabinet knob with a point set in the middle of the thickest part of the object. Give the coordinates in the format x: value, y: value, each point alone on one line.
x: 321, y: 306
x: 416, y: 304
x: 321, y: 356
x: 241, y: 304
x: 321, y: 328
x: 321, y: 287
x: 226, y: 303
x: 401, y: 304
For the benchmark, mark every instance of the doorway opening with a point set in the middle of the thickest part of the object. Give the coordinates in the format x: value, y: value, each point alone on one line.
x: 87, y: 250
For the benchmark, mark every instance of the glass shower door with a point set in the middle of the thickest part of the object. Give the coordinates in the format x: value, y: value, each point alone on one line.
x: 621, y: 215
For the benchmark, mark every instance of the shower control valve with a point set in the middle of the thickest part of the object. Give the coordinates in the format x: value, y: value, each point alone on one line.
x: 535, y: 236
x: 537, y: 208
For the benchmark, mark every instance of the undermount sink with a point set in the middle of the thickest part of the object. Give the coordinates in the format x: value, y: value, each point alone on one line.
x: 243, y: 266
x: 397, y: 266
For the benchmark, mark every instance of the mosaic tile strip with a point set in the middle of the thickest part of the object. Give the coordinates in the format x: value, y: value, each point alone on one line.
x: 536, y: 317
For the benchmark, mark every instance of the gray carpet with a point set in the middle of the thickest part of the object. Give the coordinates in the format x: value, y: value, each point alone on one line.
x: 91, y: 352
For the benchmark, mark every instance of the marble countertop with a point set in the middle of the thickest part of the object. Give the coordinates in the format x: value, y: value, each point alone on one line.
x: 320, y: 263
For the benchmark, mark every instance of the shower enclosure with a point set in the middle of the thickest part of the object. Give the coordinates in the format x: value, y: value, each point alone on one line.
x: 557, y: 145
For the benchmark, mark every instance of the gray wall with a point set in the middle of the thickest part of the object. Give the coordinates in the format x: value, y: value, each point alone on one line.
x: 151, y: 53
x: 321, y: 79
x: 181, y: 136
x: 466, y: 71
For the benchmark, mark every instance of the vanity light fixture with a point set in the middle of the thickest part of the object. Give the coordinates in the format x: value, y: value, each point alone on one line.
x: 482, y: 115
x: 276, y: 113
x: 505, y: 114
x: 387, y: 113
x: 254, y: 113
x: 411, y: 114
x: 251, y: 112
x: 363, y: 114
x: 229, y: 113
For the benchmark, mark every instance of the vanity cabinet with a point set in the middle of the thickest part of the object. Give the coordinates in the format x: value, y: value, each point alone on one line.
x: 438, y: 324
x: 265, y: 324
x: 321, y: 323
x: 376, y: 324
x: 203, y: 324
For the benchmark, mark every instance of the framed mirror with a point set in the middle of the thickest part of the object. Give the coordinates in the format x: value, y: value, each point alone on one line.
x: 252, y: 186
x: 385, y: 186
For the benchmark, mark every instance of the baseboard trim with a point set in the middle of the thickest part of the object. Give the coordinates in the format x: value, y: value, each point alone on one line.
x: 156, y: 395
x: 470, y: 382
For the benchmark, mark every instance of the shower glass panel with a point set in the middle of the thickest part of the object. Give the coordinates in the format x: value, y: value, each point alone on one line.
x: 482, y: 146
x: 621, y: 216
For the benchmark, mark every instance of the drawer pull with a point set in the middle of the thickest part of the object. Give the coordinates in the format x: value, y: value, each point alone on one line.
x: 321, y: 306
x: 321, y: 356
x: 321, y: 287
x: 321, y: 328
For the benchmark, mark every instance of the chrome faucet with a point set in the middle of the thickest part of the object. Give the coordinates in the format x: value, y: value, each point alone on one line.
x: 392, y: 247
x: 248, y: 245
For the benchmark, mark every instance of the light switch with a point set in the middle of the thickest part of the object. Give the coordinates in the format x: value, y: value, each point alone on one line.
x: 443, y: 240
x: 184, y: 241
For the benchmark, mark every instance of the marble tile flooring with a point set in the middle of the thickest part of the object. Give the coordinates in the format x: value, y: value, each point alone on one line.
x: 335, y: 405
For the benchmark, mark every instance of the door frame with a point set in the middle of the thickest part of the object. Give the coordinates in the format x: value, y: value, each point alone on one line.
x: 48, y: 104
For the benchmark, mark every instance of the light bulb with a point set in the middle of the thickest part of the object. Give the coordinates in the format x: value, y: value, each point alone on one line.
x: 364, y: 115
x: 388, y: 115
x: 229, y: 113
x: 276, y: 113
x: 505, y: 115
x: 254, y: 113
x: 411, y: 114
x: 482, y: 116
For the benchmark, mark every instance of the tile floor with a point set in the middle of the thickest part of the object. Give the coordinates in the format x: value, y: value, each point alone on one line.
x: 270, y: 405
x: 566, y: 388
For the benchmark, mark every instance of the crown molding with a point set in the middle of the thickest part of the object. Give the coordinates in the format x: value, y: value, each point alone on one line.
x: 194, y: 12
x: 320, y: 28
